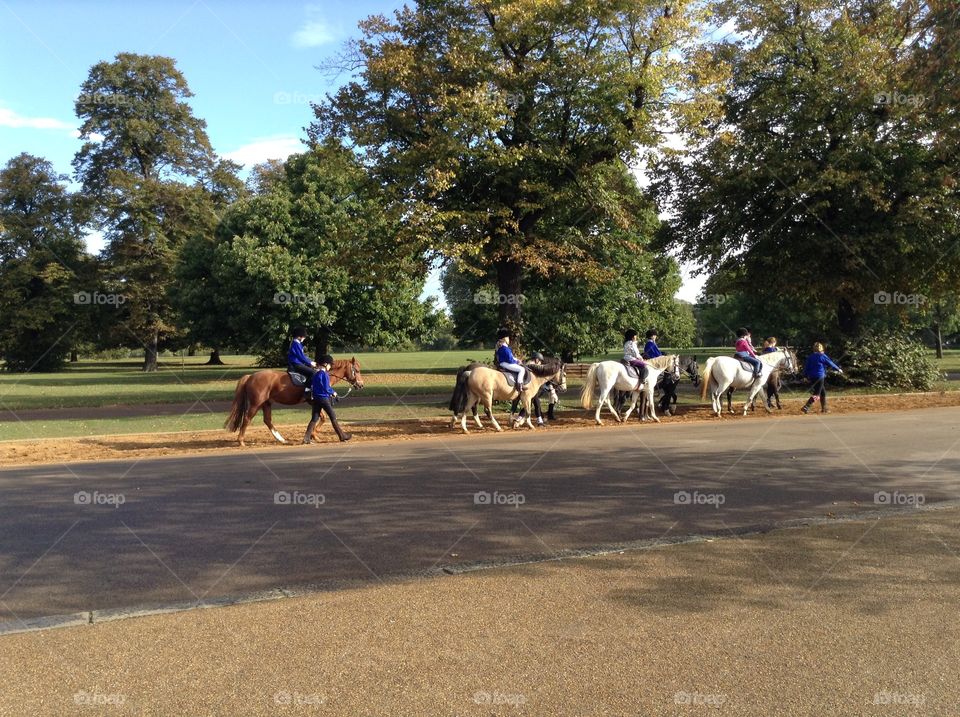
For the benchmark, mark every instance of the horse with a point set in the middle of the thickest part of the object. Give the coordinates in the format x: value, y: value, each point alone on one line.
x: 609, y: 375
x: 771, y: 389
x: 484, y: 384
x: 723, y: 372
x: 263, y: 388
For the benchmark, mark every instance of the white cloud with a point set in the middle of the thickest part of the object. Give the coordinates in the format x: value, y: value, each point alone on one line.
x: 315, y: 31
x: 9, y: 118
x: 260, y: 150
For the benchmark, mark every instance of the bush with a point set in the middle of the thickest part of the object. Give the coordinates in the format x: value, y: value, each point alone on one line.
x: 892, y: 360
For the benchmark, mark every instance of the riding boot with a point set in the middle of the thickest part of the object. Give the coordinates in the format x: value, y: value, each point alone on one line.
x: 551, y: 414
x: 823, y: 405
x: 806, y: 406
x: 308, y: 436
x: 341, y: 434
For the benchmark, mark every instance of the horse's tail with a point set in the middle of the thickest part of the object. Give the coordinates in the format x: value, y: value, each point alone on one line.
x: 241, y: 402
x: 586, y: 393
x: 458, y: 401
x: 705, y: 378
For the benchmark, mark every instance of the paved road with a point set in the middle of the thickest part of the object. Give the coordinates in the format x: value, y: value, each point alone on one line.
x: 198, y: 528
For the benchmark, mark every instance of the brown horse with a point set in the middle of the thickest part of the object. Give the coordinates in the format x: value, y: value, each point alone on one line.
x: 259, y: 390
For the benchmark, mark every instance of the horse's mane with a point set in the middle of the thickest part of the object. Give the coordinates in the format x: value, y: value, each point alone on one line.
x: 549, y: 367
x: 661, y: 362
x: 772, y: 358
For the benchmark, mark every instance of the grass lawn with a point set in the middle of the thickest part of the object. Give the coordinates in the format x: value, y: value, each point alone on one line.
x: 121, y: 382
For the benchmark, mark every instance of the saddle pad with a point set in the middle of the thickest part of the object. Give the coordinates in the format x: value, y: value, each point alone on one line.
x: 298, y: 378
x: 512, y: 377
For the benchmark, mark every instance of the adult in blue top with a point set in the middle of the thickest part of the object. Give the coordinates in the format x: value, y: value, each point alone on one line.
x: 650, y: 349
x: 298, y: 361
x: 815, y: 369
x: 323, y: 394
x: 506, y: 360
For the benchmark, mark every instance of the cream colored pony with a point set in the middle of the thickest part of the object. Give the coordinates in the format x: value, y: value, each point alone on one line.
x: 482, y: 384
x: 605, y: 376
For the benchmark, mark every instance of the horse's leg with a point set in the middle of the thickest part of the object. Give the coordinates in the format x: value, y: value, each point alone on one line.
x: 633, y: 404
x: 468, y: 408
x: 730, y: 400
x: 247, y: 417
x: 488, y: 403
x: 268, y: 420
x: 612, y: 409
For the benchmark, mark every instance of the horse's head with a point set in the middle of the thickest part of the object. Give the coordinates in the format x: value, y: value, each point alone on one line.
x: 788, y: 363
x: 349, y: 371
x: 675, y: 367
x: 693, y: 370
x: 562, y: 379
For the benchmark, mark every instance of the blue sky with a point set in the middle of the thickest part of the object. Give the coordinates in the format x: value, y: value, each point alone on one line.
x: 251, y: 66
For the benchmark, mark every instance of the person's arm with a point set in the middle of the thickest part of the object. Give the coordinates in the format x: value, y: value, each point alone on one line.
x: 832, y: 364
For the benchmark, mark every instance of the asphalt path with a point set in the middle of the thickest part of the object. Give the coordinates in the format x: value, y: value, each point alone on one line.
x: 91, y: 536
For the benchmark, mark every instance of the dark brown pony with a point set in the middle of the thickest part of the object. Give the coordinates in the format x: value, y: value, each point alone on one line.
x: 263, y: 388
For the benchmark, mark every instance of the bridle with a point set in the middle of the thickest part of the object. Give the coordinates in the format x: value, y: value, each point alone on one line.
x: 351, y: 378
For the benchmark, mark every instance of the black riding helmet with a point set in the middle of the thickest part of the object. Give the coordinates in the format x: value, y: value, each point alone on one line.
x: 326, y: 358
x: 299, y: 332
x: 742, y: 332
x: 652, y: 332
x: 536, y: 356
x: 503, y: 334
x: 630, y: 334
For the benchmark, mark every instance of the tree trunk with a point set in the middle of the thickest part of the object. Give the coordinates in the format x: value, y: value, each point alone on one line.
x: 848, y: 321
x: 321, y: 342
x: 192, y: 351
x: 214, y: 359
x: 150, y: 353
x: 936, y: 331
x: 510, y: 283
x: 73, y: 356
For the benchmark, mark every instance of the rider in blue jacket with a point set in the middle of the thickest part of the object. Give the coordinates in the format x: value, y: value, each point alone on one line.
x: 298, y: 361
x: 650, y: 349
x: 815, y: 369
x: 506, y: 360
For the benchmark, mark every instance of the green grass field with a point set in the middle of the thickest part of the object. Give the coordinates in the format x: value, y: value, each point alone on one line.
x: 121, y: 382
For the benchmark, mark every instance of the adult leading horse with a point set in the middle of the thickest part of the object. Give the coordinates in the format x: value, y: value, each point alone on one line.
x: 724, y: 372
x: 263, y: 388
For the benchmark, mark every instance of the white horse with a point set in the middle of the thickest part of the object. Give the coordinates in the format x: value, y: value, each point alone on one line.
x: 606, y: 376
x: 724, y: 372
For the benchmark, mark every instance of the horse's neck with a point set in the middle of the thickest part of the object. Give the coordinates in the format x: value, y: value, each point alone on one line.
x: 662, y: 362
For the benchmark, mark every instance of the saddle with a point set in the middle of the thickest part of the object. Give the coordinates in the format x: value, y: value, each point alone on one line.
x: 298, y: 379
x: 512, y: 377
x: 632, y: 371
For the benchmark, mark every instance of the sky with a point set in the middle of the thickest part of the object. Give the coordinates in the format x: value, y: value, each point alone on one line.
x: 251, y: 66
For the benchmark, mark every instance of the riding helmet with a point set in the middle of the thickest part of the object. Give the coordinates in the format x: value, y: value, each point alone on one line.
x: 503, y: 334
x: 651, y: 333
x: 537, y: 356
x: 299, y: 333
x: 326, y: 358
x: 630, y: 335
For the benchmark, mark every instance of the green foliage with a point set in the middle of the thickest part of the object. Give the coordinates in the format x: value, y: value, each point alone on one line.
x: 828, y: 172
x: 313, y: 249
x: 42, y: 265
x: 504, y: 128
x: 152, y: 180
x: 891, y: 360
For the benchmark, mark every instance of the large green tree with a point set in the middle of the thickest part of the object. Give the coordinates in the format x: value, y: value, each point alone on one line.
x: 313, y: 248
x: 44, y: 272
x: 825, y: 181
x: 148, y: 170
x: 502, y: 126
